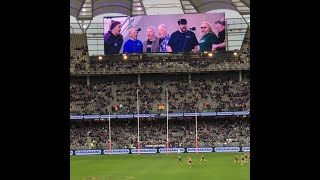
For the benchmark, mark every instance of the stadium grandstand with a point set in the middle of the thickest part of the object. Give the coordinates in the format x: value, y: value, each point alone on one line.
x: 145, y: 101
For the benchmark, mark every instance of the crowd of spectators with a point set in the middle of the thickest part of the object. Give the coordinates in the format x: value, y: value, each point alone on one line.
x: 212, y: 131
x: 79, y: 57
x: 160, y: 65
x: 120, y: 97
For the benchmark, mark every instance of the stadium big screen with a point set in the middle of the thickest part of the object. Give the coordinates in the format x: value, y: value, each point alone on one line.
x: 164, y: 33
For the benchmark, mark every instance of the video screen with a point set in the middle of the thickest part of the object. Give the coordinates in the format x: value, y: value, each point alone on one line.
x: 164, y: 33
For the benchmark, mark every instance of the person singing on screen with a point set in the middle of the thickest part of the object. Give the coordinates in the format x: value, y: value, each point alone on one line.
x: 220, y: 45
x: 183, y: 40
x: 113, y: 40
x: 132, y: 45
x: 152, y: 43
x: 164, y: 37
x: 208, y: 37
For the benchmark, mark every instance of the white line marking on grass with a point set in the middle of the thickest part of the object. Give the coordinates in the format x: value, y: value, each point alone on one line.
x: 109, y: 178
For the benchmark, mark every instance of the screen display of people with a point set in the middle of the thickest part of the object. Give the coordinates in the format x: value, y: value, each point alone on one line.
x: 165, y: 33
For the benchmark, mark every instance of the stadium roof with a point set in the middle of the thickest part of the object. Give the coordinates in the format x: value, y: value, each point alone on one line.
x: 88, y: 9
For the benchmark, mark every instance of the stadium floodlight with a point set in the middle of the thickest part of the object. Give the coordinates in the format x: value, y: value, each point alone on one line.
x: 125, y: 57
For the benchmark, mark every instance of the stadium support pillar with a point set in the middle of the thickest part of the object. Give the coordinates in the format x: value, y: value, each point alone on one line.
x: 139, y: 78
x: 189, y: 77
x: 240, y: 75
x: 88, y: 81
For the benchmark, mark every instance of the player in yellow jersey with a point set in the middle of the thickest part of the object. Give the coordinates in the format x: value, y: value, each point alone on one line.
x: 236, y: 158
x: 242, y: 159
x: 179, y: 159
x: 190, y: 161
x: 202, y: 158
x: 246, y: 157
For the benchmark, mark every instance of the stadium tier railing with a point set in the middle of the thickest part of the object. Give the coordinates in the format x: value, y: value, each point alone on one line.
x: 163, y: 68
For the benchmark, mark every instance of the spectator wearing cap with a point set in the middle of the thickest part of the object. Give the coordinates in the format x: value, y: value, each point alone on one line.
x: 133, y: 45
x: 113, y: 40
x: 152, y: 43
x: 164, y: 37
x: 183, y: 40
x: 208, y: 37
x: 220, y: 45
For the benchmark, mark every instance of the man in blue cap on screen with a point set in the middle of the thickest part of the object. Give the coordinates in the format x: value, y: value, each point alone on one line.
x: 132, y: 45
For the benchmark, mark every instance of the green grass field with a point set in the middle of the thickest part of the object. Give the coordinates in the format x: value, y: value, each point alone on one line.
x: 220, y: 166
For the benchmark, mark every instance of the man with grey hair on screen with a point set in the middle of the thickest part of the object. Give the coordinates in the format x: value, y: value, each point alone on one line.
x: 164, y: 37
x: 220, y: 45
x: 152, y: 43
